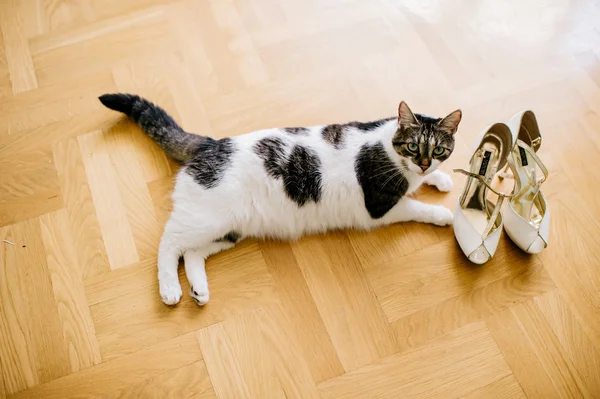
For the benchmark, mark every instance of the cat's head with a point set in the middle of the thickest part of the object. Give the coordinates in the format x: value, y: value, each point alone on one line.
x: 424, y: 142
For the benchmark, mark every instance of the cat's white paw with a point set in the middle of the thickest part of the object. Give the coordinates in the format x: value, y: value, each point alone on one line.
x: 170, y: 291
x: 200, y: 295
x: 441, y: 181
x: 442, y: 216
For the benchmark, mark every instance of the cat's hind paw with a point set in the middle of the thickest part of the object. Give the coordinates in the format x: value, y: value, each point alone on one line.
x: 200, y: 295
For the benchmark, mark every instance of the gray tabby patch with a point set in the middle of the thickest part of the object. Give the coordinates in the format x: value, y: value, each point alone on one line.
x: 211, y: 160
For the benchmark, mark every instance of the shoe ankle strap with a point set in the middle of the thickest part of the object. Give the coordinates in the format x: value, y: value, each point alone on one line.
x: 481, y: 179
x: 536, y: 159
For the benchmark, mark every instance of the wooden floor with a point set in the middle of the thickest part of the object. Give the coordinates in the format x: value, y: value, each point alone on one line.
x: 395, y: 313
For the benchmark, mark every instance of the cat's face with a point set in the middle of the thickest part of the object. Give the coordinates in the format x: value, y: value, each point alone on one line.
x: 424, y: 142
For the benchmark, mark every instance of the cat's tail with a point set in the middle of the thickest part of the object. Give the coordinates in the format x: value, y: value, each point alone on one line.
x: 156, y: 123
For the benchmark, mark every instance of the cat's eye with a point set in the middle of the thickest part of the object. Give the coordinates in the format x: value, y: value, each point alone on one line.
x: 438, y: 150
x: 412, y: 147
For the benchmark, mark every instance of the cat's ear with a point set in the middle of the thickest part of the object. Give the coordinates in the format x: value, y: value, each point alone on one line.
x: 450, y: 123
x: 405, y: 116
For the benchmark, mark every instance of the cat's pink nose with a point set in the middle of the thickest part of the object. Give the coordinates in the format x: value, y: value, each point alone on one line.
x: 424, y: 167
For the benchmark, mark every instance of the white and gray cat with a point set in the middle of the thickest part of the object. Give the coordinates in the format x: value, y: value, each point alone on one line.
x: 285, y: 183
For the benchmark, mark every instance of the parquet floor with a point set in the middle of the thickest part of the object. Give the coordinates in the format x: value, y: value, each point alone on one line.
x: 395, y: 313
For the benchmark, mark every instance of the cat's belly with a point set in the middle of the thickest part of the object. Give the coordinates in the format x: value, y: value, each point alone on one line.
x: 282, y: 218
x: 255, y: 209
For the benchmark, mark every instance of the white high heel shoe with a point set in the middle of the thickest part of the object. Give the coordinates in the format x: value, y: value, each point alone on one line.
x: 527, y: 216
x: 478, y: 221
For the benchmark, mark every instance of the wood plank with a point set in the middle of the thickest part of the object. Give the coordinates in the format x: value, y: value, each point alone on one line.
x: 438, y: 273
x: 146, y: 78
x: 422, y: 326
x: 73, y: 311
x: 232, y: 66
x: 285, y: 357
x: 505, y: 388
x: 88, y: 31
x: 16, y: 349
x: 47, y: 354
x: 390, y: 243
x: 449, y: 367
x: 574, y: 269
x: 352, y: 315
x: 145, y: 229
x: 28, y: 174
x: 2, y: 387
x: 68, y: 94
x: 104, y: 287
x: 59, y: 16
x: 151, y: 35
x: 50, y: 348
x: 56, y: 102
x: 29, y: 185
x: 254, y: 355
x: 191, y: 381
x: 575, y: 343
x: 309, y: 329
x: 36, y: 136
x: 79, y: 205
x: 194, y: 118
x: 534, y: 353
x: 111, y: 376
x: 5, y: 83
x: 21, y: 209
x: 104, y: 187
x: 18, y: 56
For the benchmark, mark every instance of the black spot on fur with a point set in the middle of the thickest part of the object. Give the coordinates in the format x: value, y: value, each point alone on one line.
x: 382, y: 182
x: 231, y: 237
x: 212, y: 159
x: 300, y: 170
x: 302, y: 177
x: 272, y: 152
x: 334, y: 134
x: 368, y: 126
x: 296, y: 130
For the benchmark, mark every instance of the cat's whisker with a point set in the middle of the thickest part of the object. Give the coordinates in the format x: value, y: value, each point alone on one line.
x: 398, y: 173
x: 391, y: 169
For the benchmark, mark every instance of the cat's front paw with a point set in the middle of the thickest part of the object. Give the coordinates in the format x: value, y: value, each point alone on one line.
x: 442, y: 216
x: 441, y: 181
x: 200, y: 295
x: 170, y: 291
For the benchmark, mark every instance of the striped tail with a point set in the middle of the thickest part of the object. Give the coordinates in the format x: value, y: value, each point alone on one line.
x: 157, y: 124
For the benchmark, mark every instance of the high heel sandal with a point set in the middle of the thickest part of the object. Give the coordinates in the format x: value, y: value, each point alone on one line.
x: 527, y: 216
x: 478, y: 221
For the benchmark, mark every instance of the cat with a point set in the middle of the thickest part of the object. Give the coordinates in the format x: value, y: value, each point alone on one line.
x: 288, y: 182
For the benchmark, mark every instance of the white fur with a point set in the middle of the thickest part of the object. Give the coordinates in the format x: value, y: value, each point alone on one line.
x: 251, y: 203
